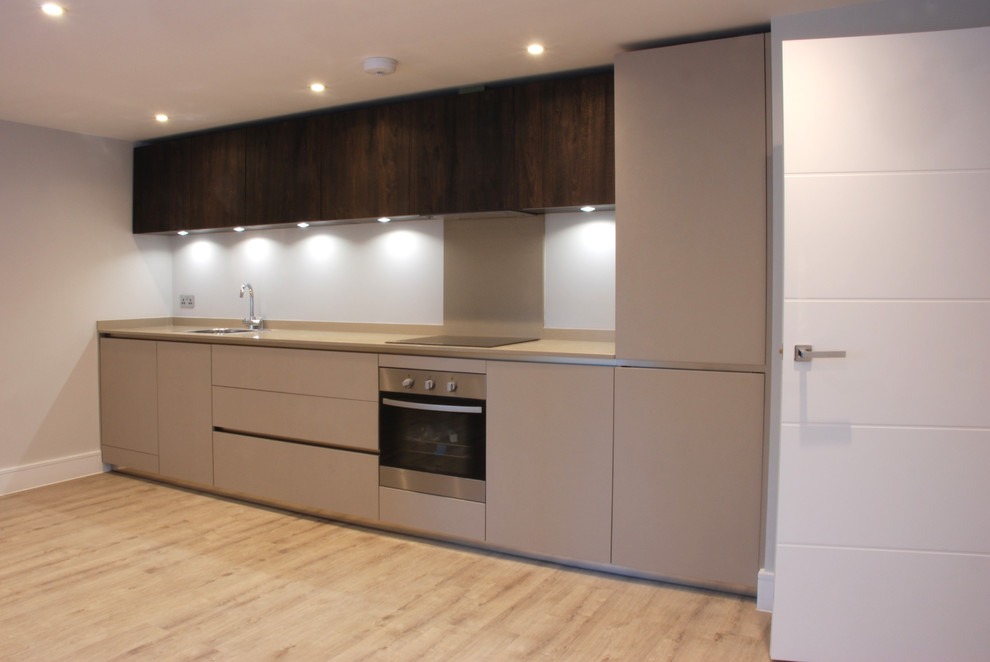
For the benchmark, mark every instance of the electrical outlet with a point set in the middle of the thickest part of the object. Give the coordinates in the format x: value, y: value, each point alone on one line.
x: 187, y: 301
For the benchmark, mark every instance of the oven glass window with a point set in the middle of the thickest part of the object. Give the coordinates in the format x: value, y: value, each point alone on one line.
x: 440, y: 442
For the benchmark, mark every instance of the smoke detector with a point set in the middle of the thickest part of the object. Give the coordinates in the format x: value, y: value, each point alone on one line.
x: 379, y: 66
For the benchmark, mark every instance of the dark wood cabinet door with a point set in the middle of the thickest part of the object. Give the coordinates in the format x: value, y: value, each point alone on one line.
x: 527, y: 168
x: 216, y: 179
x: 483, y: 176
x: 431, y: 154
x: 161, y: 187
x: 578, y: 141
x: 365, y: 163
x: 282, y: 172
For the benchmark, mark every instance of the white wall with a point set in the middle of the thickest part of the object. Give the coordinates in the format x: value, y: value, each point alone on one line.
x: 67, y: 259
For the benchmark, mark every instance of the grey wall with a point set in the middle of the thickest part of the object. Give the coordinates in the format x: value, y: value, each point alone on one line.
x: 67, y: 259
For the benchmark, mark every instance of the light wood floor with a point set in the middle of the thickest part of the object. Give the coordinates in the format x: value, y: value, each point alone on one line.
x: 111, y: 567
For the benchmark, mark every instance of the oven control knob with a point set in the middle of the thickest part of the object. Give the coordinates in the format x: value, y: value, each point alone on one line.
x: 408, y: 382
x: 428, y: 384
x: 451, y: 386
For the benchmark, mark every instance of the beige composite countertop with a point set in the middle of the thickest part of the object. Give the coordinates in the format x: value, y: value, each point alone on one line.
x: 554, y: 347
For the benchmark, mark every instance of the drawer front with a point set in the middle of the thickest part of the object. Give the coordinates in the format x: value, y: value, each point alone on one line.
x: 436, y: 514
x: 330, y: 421
x: 329, y: 479
x: 349, y: 375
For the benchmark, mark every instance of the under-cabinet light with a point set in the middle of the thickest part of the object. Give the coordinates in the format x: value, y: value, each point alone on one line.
x: 304, y: 224
x: 182, y: 233
x: 384, y: 219
x: 238, y: 229
x: 587, y: 208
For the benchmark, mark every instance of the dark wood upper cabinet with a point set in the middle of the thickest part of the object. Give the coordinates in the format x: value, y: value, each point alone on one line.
x: 530, y: 146
x: 365, y: 162
x: 282, y: 171
x: 527, y: 138
x: 431, y: 154
x: 190, y: 183
x: 578, y: 142
x: 484, y: 153
x: 216, y: 179
x: 161, y: 187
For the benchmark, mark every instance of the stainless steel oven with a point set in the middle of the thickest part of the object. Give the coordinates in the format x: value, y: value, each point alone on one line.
x: 431, y: 432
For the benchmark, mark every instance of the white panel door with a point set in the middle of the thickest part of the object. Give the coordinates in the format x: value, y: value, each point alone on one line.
x: 883, y: 538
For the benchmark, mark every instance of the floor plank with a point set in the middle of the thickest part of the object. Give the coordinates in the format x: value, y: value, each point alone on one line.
x: 112, y: 567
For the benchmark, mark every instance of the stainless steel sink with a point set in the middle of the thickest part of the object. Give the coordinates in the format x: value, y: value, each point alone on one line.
x: 222, y: 330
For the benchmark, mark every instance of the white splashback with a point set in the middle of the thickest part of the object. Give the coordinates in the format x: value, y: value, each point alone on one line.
x: 580, y: 271
x: 377, y: 273
x: 373, y: 273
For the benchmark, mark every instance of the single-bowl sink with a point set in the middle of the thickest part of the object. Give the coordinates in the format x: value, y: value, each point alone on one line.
x: 222, y: 330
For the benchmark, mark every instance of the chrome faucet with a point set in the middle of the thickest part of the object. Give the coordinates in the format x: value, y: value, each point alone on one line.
x: 251, y: 321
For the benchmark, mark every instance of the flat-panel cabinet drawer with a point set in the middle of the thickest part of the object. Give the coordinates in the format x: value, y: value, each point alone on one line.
x: 428, y: 512
x: 349, y: 375
x: 330, y: 421
x: 328, y: 479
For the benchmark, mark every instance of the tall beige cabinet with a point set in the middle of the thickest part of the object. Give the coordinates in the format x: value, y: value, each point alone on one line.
x: 691, y: 229
x: 691, y: 310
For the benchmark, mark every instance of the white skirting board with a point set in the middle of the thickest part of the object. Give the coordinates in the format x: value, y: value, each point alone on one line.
x: 28, y: 476
x: 764, y: 590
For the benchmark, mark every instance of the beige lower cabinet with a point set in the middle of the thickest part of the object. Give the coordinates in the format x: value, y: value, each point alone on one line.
x: 129, y: 403
x: 185, y: 424
x: 155, y: 409
x: 297, y: 426
x: 549, y: 459
x: 688, y: 466
x: 327, y: 479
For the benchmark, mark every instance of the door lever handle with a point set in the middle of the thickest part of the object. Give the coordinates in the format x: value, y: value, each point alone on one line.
x: 805, y: 353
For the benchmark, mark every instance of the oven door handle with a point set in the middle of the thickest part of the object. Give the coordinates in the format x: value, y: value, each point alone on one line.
x: 425, y: 406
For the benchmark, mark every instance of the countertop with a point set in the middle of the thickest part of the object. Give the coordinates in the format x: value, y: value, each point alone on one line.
x: 555, y: 347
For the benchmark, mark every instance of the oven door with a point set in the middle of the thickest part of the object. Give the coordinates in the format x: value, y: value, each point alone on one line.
x: 432, y: 444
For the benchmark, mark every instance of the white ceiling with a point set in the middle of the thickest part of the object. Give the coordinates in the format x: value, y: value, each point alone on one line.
x: 107, y: 66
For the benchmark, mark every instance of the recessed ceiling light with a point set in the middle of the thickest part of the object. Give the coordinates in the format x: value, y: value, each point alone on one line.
x: 384, y: 219
x: 52, y: 9
x: 161, y: 117
x: 304, y: 224
x: 238, y: 229
x: 317, y: 87
x: 534, y: 49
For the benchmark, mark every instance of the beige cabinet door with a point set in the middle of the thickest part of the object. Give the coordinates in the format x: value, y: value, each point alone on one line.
x: 691, y: 223
x: 185, y: 425
x: 129, y: 403
x: 689, y: 474
x: 549, y: 459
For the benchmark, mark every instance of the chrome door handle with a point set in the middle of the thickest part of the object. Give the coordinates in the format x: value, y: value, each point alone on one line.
x: 805, y: 353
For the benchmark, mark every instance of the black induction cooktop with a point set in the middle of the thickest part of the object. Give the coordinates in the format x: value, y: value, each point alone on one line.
x: 462, y: 341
